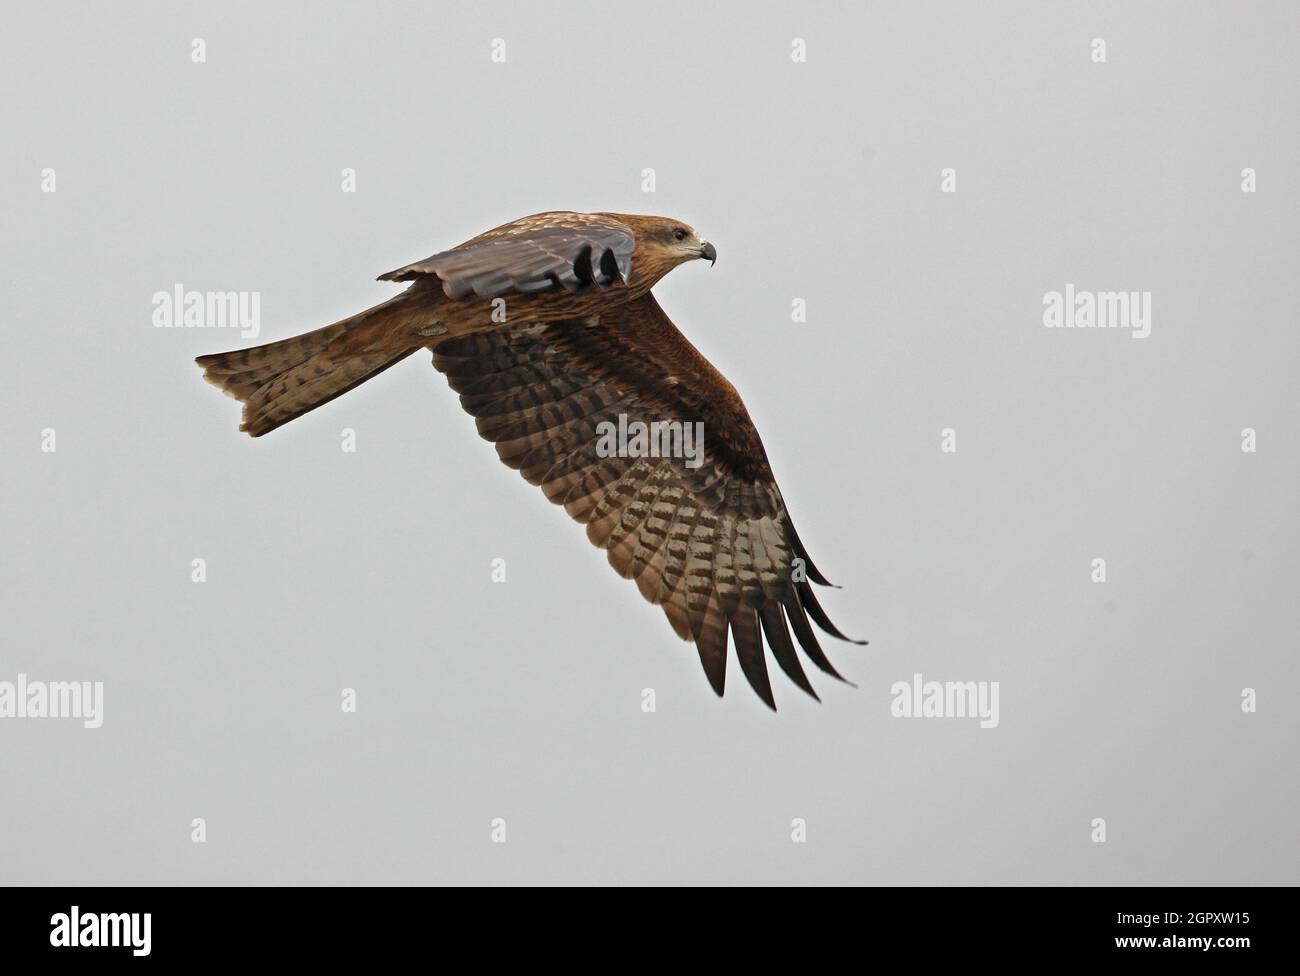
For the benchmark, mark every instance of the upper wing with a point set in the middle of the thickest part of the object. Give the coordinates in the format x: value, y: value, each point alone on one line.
x: 713, y: 544
x: 554, y: 250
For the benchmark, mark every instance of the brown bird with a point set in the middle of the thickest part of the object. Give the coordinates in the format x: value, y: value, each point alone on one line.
x: 546, y: 328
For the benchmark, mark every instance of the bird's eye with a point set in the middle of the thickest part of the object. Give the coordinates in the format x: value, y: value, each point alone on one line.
x: 679, y: 234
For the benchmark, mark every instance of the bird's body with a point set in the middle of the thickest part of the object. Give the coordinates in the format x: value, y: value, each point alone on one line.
x: 547, y: 329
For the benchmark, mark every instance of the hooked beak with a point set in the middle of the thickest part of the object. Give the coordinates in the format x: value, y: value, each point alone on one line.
x: 709, y: 252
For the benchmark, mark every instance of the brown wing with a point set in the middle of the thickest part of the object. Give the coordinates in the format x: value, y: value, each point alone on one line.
x: 713, y: 544
x: 553, y: 250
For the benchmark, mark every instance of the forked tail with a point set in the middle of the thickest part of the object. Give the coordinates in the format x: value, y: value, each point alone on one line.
x: 283, y: 380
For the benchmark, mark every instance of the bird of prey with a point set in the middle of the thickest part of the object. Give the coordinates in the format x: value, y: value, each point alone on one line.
x: 547, y: 329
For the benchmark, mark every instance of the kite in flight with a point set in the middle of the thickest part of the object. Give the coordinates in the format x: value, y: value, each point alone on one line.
x: 546, y: 328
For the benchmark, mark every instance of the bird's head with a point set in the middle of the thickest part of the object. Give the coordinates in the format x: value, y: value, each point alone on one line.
x: 663, y: 243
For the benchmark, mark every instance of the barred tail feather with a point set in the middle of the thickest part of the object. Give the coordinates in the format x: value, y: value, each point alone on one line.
x: 283, y: 380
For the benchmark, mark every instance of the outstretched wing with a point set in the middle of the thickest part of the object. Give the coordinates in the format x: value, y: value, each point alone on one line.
x: 552, y: 250
x: 712, y: 544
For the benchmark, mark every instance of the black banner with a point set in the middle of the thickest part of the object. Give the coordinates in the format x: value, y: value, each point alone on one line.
x: 147, y: 926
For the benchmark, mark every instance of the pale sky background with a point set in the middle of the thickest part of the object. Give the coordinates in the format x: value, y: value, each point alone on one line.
x: 522, y: 700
